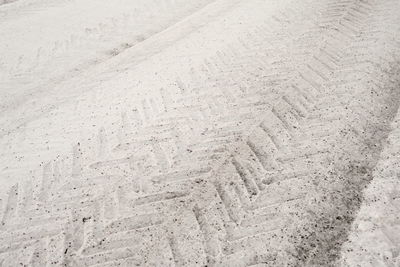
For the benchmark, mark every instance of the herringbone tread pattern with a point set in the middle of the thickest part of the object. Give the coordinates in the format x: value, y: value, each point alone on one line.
x: 207, y: 179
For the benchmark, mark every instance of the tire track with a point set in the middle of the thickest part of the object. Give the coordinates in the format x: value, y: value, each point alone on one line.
x: 90, y: 190
x: 334, y: 202
x: 303, y: 249
x: 143, y: 195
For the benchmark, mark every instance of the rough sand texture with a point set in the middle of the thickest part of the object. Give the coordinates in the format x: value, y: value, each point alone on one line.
x: 375, y: 235
x: 231, y: 133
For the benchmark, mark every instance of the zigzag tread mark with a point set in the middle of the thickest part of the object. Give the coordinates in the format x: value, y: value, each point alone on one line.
x: 233, y: 194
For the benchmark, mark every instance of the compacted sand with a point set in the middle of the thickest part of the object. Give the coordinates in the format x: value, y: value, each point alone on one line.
x: 199, y: 133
